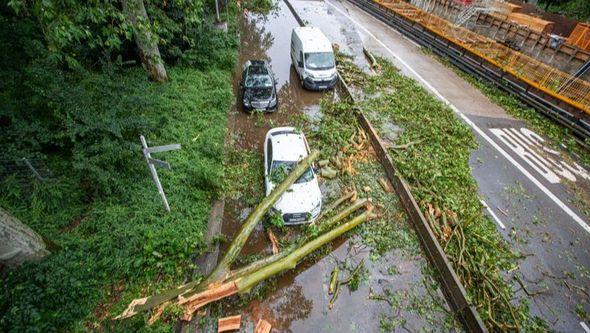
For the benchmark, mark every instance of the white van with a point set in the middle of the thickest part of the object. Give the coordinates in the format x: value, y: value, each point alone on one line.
x: 313, y: 58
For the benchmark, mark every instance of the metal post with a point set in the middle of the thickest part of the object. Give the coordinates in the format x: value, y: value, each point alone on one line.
x: 35, y: 172
x: 217, y: 18
x: 152, y: 162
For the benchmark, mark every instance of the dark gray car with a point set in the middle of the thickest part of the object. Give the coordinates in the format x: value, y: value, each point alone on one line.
x: 258, y: 87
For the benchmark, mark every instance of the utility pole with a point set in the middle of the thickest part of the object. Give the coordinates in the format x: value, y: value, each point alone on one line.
x: 152, y: 163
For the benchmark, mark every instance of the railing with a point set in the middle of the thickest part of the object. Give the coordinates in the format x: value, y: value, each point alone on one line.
x: 531, y: 71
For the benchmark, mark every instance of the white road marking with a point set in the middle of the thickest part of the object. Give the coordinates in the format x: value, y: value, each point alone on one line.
x: 585, y: 327
x: 529, y: 146
x: 493, y: 214
x: 479, y: 131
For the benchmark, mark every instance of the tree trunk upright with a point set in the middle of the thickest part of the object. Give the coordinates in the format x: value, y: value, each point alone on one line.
x: 146, y: 41
x: 18, y: 242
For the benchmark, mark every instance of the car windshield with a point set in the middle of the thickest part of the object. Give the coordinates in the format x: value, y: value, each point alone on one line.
x: 258, y: 81
x: 281, y: 169
x: 319, y: 60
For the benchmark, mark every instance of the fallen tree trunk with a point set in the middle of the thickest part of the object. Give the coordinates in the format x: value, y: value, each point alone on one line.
x: 238, y: 242
x: 240, y: 272
x: 289, y: 262
x: 222, y: 269
x: 245, y: 284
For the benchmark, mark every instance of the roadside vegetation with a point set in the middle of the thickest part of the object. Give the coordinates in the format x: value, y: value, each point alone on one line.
x: 431, y: 149
x: 75, y: 97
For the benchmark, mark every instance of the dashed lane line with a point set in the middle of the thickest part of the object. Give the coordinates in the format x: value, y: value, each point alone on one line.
x: 479, y: 131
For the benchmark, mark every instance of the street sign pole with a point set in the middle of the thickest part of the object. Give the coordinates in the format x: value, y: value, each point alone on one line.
x: 152, y: 163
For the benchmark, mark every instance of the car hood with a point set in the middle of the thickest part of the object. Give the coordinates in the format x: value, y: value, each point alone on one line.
x: 322, y: 74
x: 300, y: 198
x: 258, y: 94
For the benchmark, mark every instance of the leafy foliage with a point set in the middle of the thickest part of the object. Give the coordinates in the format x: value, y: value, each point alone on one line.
x: 577, y: 9
x: 111, y: 238
x: 124, y: 237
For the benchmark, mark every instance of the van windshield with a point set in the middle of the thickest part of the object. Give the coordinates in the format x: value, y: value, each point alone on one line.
x: 319, y: 60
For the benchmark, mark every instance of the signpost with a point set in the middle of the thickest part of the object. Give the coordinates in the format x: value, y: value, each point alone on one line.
x: 153, y: 162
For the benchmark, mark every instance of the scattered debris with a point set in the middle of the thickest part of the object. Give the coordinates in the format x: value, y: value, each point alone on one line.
x: 328, y: 172
x: 335, y: 284
x: 350, y: 195
x: 273, y: 241
x: 333, y: 280
x: 262, y: 326
x: 231, y: 323
x: 386, y: 185
x: 372, y: 61
x: 367, y: 189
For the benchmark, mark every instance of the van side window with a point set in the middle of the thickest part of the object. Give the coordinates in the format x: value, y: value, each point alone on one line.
x: 301, y: 56
x: 269, y: 154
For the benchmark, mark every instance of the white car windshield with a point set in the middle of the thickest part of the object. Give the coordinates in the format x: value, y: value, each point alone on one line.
x: 281, y: 169
x: 258, y: 81
x: 319, y: 60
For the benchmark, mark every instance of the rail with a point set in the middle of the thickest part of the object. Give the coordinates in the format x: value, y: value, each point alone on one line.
x: 539, y: 75
x: 467, y: 51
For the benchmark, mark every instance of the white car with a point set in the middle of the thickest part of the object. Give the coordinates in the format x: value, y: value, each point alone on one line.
x: 283, y: 148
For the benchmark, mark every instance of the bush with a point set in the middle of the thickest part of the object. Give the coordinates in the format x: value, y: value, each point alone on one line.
x: 115, y: 245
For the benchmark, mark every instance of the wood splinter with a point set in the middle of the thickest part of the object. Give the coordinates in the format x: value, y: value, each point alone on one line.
x: 231, y: 323
x: 262, y: 326
x: 274, y: 241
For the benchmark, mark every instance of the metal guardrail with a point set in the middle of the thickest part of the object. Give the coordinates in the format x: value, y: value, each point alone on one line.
x: 451, y: 285
x: 473, y: 64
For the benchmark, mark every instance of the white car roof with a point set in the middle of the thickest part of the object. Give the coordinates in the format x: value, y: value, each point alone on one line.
x: 287, y: 144
x: 313, y: 40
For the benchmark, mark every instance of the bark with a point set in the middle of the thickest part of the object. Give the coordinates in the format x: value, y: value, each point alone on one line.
x: 240, y: 272
x: 201, y: 299
x: 255, y: 216
x: 18, y: 242
x: 146, y: 41
x: 245, y: 284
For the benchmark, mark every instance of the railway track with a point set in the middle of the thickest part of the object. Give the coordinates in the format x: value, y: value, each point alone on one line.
x: 469, y: 62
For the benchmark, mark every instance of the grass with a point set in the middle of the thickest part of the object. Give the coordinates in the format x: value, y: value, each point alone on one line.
x: 113, y: 248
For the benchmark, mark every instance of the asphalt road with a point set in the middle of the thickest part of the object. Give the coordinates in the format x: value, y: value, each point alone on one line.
x: 532, y: 193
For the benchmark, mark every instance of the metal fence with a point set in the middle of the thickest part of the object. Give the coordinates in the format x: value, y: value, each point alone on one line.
x: 560, y: 85
x: 24, y: 170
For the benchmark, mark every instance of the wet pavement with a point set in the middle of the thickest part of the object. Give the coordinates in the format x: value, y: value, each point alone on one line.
x: 298, y: 300
x: 537, y: 197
